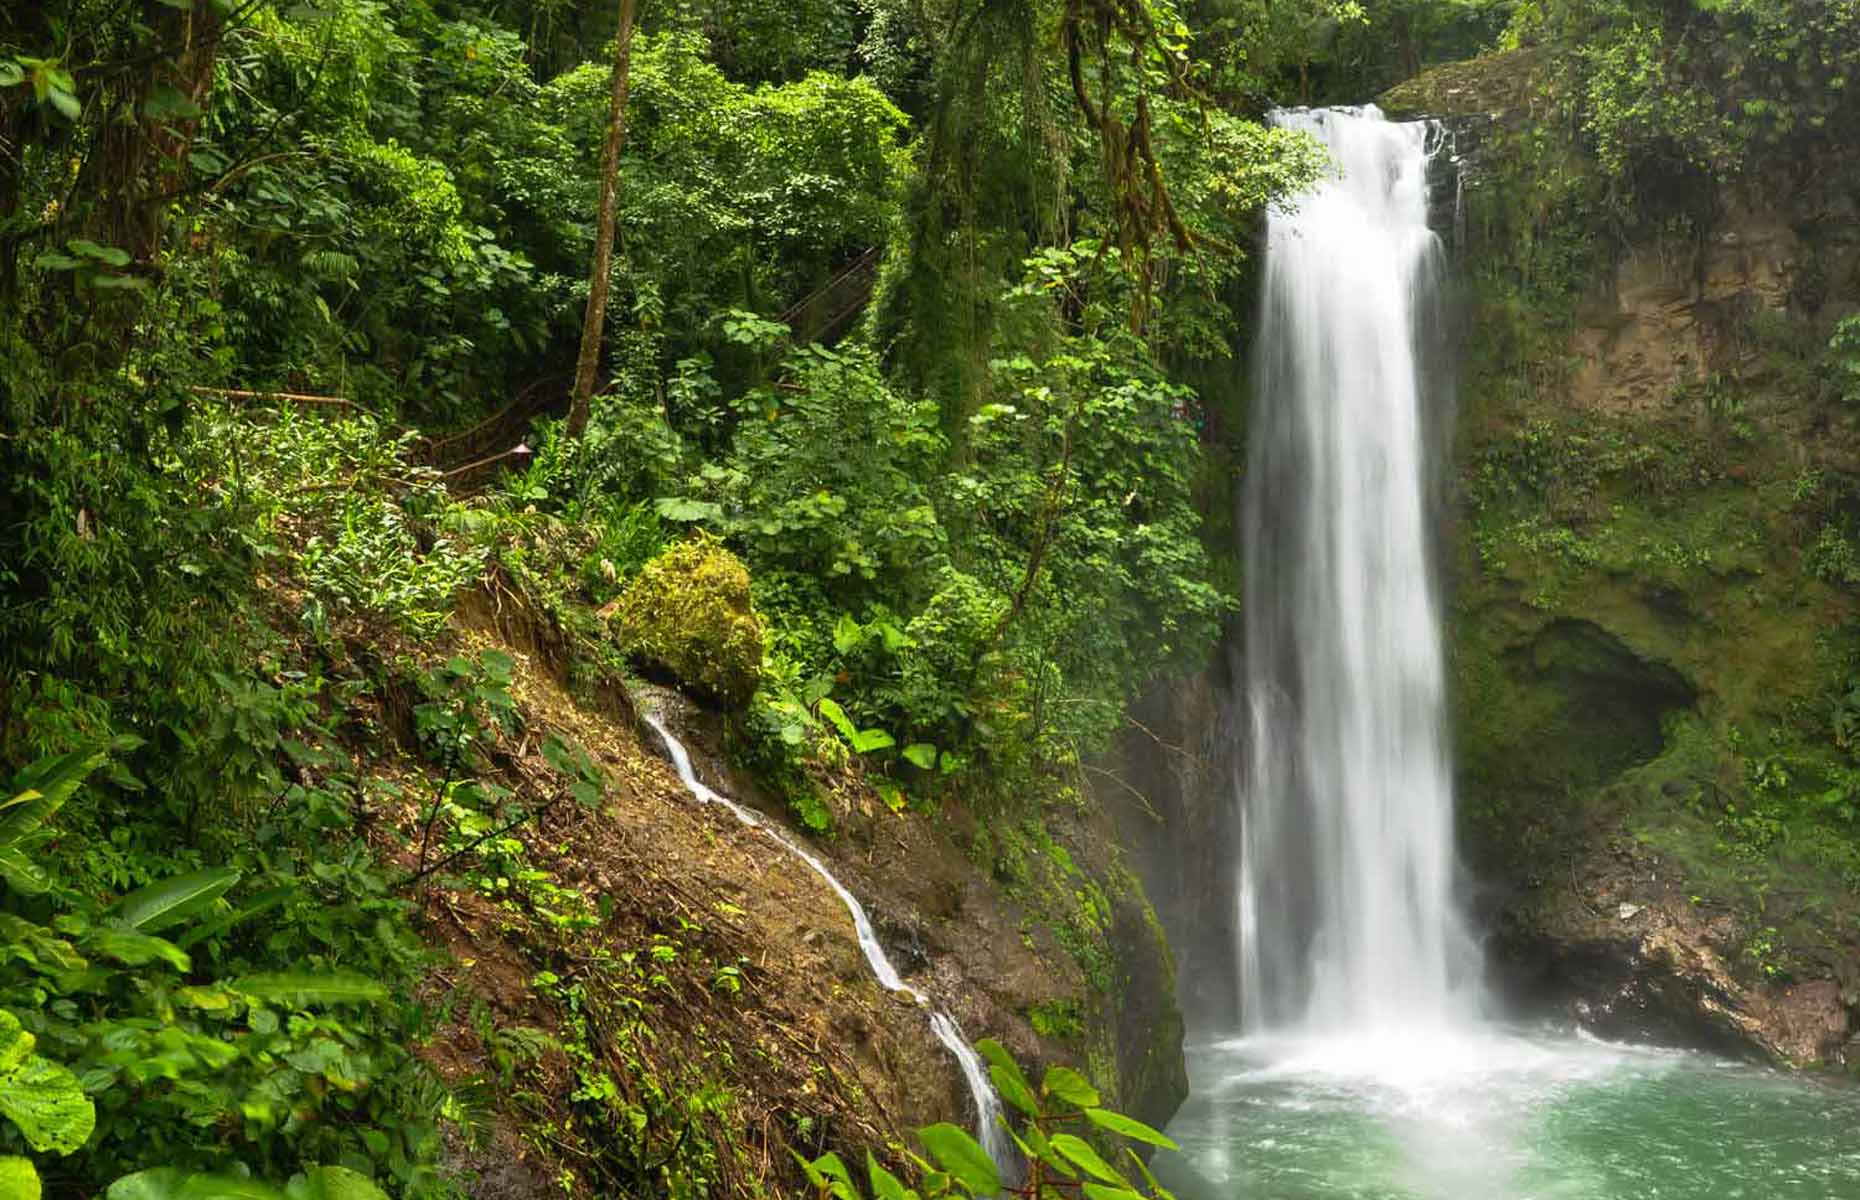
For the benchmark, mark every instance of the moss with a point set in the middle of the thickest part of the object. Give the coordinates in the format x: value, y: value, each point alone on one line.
x: 1058, y: 1018
x: 689, y: 614
x: 1654, y: 610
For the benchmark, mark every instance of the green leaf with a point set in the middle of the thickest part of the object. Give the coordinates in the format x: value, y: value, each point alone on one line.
x: 683, y: 508
x: 332, y: 1183
x: 169, y: 901
x: 1006, y: 1074
x: 51, y: 782
x: 11, y: 73
x: 22, y: 874
x: 108, y: 255
x: 133, y: 948
x: 864, y: 741
x: 833, y: 1167
x: 1078, y: 1150
x: 1130, y: 1127
x: 831, y: 710
x: 838, y: 1180
x: 1036, y: 1146
x: 1098, y: 1191
x: 885, y: 1185
x: 133, y: 283
x: 847, y: 634
x: 38, y: 945
x: 159, y: 1183
x: 42, y: 1098
x: 65, y: 103
x: 962, y: 1156
x: 921, y: 754
x: 47, y: 1103
x: 263, y: 902
x: 1149, y: 1177
x: 18, y: 1179
x: 306, y: 989
x: 51, y: 260
x: 16, y: 1045
x: 1070, y: 1086
x: 172, y: 1183
x: 808, y: 1169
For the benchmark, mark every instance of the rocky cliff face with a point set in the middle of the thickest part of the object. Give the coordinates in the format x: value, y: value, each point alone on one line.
x: 1174, y: 805
x: 1652, y: 630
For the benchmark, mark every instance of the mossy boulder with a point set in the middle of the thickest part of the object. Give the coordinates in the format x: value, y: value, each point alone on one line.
x: 689, y: 615
x: 1493, y: 84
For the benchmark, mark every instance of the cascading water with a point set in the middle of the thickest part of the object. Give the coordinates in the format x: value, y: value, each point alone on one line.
x: 1363, y: 1071
x: 1346, y: 913
x: 942, y: 1025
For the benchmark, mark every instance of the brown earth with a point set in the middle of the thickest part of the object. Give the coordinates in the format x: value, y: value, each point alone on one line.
x: 615, y: 958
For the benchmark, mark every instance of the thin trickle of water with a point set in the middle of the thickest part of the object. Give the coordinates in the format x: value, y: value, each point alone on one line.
x: 1346, y: 867
x: 942, y: 1026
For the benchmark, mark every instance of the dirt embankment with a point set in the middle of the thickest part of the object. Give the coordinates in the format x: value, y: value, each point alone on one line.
x: 654, y: 998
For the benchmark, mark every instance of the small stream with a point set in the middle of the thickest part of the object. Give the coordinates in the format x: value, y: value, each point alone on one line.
x: 942, y: 1026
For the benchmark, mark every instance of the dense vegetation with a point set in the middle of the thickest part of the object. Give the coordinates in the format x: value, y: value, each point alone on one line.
x: 258, y: 260
x: 912, y: 449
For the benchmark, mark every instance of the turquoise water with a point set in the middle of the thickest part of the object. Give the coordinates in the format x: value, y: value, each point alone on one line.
x: 1504, y: 1115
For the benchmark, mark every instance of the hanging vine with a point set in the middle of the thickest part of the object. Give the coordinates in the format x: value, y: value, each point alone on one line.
x: 1104, y: 40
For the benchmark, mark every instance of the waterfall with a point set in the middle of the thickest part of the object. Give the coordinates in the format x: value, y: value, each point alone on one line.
x: 942, y: 1026
x: 1346, y: 914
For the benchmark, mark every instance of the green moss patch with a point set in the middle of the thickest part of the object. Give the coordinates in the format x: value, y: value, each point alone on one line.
x: 689, y: 614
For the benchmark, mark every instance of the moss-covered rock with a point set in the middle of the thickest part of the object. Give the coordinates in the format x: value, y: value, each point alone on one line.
x: 1649, y: 650
x: 689, y: 615
x: 1488, y: 85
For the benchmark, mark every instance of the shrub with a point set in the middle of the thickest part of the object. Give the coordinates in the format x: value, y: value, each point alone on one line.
x: 689, y: 613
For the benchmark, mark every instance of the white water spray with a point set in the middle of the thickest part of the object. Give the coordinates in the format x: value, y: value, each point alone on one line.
x: 942, y: 1025
x: 1347, y: 921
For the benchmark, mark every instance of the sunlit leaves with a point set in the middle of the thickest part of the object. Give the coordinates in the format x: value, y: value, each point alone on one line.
x: 171, y: 1183
x: 963, y: 1157
x: 1056, y: 1161
x: 18, y: 1179
x: 1129, y: 1127
x: 1011, y: 1085
x: 42, y: 1099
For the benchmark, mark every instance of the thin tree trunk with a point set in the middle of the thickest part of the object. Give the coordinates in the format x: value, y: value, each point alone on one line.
x: 595, y: 319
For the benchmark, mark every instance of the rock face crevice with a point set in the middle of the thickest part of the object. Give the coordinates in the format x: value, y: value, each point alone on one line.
x: 1609, y: 704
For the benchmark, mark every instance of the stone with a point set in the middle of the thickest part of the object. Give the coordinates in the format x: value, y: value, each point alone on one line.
x: 1809, y: 1023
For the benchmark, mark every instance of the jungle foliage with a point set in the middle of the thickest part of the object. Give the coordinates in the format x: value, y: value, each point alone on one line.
x: 904, y: 295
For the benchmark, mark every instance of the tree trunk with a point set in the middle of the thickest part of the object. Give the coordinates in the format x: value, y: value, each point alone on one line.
x: 595, y: 320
